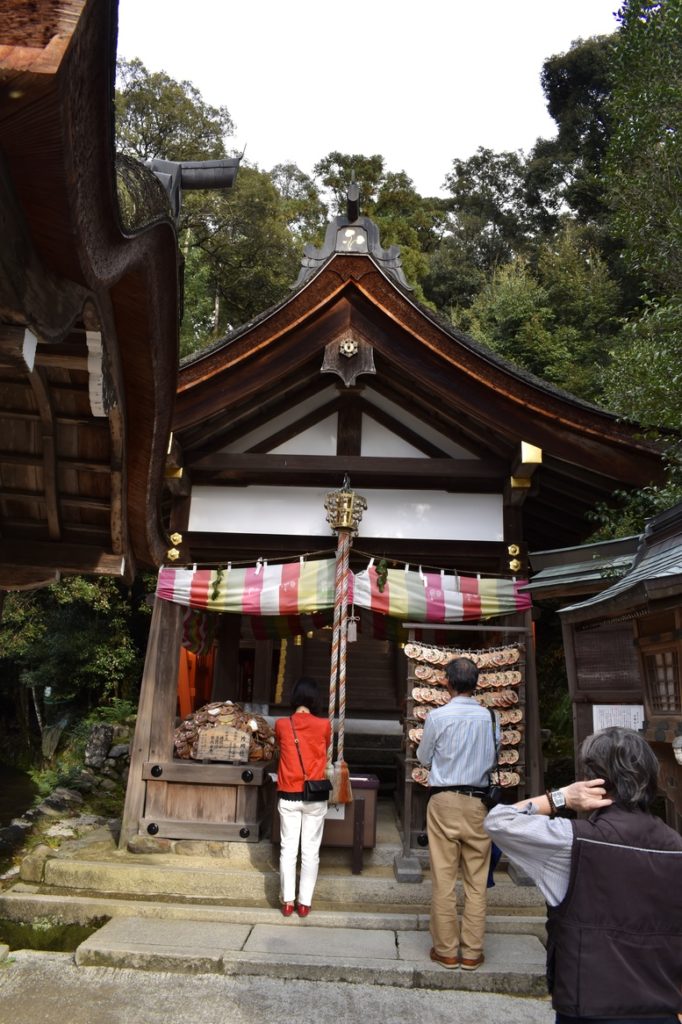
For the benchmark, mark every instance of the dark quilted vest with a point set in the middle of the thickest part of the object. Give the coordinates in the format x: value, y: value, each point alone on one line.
x: 615, y: 942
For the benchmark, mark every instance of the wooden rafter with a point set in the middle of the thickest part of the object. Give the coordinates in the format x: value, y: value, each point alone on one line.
x: 296, y: 427
x: 403, y: 431
x: 41, y: 395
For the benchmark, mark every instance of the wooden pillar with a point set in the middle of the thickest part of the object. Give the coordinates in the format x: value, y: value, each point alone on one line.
x: 262, y: 672
x: 535, y: 766
x: 153, y: 738
x: 226, y: 670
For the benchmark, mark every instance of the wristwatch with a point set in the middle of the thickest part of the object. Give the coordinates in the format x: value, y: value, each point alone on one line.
x: 557, y: 801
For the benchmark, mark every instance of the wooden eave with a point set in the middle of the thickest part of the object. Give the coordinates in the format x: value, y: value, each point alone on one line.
x: 68, y: 267
x: 448, y: 380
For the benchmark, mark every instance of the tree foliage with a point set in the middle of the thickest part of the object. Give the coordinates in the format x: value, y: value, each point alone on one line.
x: 159, y: 117
x: 68, y: 647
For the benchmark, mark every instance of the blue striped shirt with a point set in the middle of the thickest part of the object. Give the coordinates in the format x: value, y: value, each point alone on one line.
x: 457, y: 744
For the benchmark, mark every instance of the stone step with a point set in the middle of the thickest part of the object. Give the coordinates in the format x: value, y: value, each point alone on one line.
x: 311, y: 950
x: 209, y: 879
x: 23, y: 903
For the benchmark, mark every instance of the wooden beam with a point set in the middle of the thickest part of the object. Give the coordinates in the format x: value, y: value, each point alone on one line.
x: 467, y: 556
x: 64, y: 356
x: 462, y: 474
x: 65, y: 557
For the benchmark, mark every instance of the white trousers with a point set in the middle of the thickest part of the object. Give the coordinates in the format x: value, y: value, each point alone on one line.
x: 300, y: 823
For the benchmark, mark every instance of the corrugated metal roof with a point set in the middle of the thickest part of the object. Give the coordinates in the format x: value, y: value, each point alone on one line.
x: 596, y: 572
x: 658, y: 569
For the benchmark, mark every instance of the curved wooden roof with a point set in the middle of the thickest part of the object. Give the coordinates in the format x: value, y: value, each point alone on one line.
x: 88, y: 312
x: 441, y: 376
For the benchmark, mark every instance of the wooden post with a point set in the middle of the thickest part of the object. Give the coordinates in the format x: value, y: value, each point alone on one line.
x: 226, y: 670
x: 153, y: 738
x: 535, y: 774
x: 358, y: 834
x: 262, y: 672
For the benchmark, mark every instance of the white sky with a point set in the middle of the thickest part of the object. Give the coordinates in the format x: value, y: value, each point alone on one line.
x: 420, y: 82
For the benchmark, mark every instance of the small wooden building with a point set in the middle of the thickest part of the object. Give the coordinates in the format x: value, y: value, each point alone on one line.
x: 624, y: 653
x: 465, y: 461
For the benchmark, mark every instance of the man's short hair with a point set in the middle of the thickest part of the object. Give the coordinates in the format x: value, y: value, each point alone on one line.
x: 462, y: 675
x: 624, y: 759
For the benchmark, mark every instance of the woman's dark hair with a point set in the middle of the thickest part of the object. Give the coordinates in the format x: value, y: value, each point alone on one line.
x: 462, y: 675
x: 626, y: 762
x: 305, y: 694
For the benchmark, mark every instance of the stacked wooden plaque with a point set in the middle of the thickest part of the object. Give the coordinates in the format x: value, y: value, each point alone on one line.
x: 501, y: 686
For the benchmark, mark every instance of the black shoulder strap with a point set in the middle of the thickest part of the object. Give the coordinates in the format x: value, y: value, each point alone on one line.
x: 298, y: 748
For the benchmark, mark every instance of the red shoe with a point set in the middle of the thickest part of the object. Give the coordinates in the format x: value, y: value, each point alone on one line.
x: 303, y: 911
x: 287, y: 909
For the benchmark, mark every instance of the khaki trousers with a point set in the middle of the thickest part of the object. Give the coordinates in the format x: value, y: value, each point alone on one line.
x: 457, y: 843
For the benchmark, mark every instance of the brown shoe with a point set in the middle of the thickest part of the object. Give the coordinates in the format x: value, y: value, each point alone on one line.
x: 471, y: 965
x: 451, y: 962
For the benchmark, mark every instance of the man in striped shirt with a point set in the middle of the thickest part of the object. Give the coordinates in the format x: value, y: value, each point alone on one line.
x: 459, y: 746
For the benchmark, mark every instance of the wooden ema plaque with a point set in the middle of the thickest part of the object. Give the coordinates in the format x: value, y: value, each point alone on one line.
x: 223, y: 743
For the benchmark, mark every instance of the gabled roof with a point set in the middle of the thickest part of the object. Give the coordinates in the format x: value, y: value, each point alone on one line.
x: 88, y: 311
x: 424, y: 365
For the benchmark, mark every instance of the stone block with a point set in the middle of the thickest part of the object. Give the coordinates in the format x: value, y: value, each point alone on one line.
x: 149, y: 844
x: 33, y: 865
x: 407, y: 869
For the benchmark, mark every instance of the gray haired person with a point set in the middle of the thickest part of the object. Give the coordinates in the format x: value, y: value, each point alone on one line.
x: 613, y: 885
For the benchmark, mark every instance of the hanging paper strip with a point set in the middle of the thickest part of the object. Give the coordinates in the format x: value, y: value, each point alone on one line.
x: 304, y: 588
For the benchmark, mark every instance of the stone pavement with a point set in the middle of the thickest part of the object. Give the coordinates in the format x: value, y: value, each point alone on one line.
x: 376, y: 949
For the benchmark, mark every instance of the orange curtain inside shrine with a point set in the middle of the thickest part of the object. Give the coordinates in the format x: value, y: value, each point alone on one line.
x: 195, y: 680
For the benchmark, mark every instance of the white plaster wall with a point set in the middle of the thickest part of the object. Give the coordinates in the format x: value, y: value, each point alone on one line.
x: 418, y: 515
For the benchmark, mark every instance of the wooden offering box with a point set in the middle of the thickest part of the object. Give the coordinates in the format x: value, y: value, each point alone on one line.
x: 193, y: 800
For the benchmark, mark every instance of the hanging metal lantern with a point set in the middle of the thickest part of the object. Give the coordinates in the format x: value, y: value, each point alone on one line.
x: 344, y: 508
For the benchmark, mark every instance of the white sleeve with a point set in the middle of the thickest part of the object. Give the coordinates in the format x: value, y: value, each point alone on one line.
x: 539, y: 845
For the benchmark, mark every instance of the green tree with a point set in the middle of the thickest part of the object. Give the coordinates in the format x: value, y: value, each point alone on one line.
x: 337, y: 170
x: 585, y: 304
x: 305, y: 212
x: 644, y: 164
x: 159, y: 117
x: 568, y: 168
x: 242, y: 256
x: 488, y: 206
x: 643, y: 181
x: 66, y: 648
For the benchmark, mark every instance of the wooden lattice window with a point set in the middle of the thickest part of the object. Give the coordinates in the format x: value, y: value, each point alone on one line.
x: 662, y: 678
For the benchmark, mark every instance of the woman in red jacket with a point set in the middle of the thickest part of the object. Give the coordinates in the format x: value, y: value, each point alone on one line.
x: 301, y: 823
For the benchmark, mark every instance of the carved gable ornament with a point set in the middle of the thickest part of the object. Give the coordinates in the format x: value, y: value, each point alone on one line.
x: 349, y: 356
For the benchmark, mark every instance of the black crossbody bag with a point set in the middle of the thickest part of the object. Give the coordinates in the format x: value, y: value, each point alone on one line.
x: 313, y: 789
x: 493, y: 795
